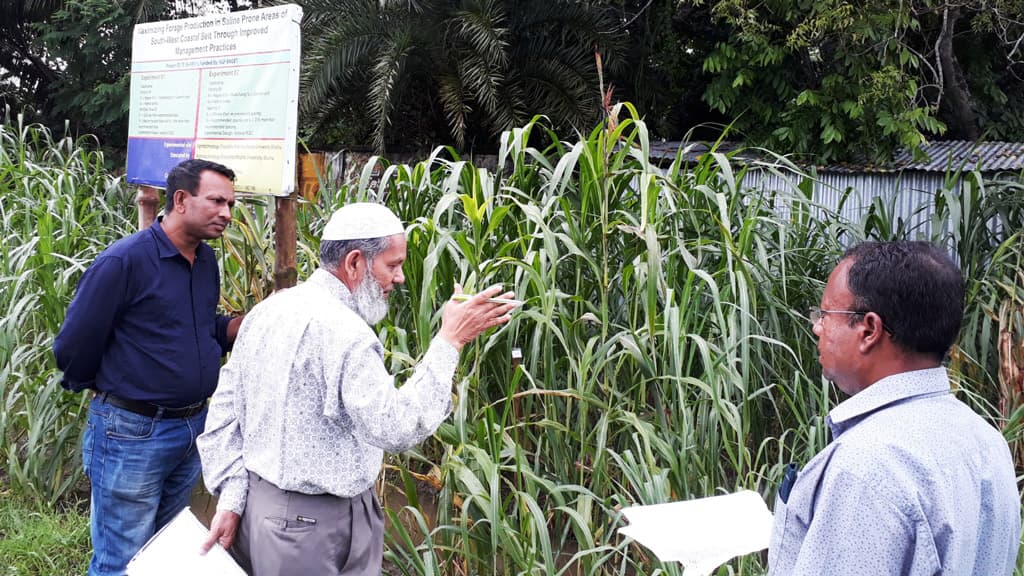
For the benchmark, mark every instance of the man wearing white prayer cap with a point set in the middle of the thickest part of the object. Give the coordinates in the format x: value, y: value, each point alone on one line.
x: 305, y: 407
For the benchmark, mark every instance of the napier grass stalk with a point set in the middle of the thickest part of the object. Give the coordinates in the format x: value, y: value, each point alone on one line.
x: 58, y: 208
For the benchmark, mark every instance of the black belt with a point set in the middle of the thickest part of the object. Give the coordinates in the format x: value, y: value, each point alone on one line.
x: 151, y: 410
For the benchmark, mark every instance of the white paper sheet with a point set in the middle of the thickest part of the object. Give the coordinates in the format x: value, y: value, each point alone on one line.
x: 703, y: 533
x: 174, y: 550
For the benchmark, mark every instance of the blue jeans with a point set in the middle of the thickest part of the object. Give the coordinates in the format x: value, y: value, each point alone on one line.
x: 142, y: 471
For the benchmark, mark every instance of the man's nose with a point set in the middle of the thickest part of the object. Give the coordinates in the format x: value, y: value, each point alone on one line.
x: 399, y: 277
x: 816, y: 328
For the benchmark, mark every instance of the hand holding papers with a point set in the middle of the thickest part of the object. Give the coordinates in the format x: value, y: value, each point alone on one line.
x: 174, y: 550
x: 702, y: 533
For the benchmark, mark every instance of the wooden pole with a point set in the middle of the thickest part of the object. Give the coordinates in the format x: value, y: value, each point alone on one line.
x: 147, y: 200
x: 286, y: 241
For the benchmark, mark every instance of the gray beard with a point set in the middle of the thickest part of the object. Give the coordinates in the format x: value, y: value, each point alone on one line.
x: 370, y: 303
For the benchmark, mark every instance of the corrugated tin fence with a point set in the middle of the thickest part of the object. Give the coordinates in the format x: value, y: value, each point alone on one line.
x: 910, y: 195
x: 904, y: 189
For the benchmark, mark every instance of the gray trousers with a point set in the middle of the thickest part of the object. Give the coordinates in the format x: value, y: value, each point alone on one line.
x: 286, y: 533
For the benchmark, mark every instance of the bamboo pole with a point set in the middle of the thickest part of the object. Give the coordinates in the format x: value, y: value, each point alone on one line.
x: 285, y: 240
x: 147, y: 199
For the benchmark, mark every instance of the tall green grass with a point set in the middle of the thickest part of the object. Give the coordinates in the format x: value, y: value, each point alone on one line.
x: 663, y: 340
x: 665, y: 351
x: 59, y: 208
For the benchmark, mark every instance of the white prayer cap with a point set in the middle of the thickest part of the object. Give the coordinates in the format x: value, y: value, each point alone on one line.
x: 362, y: 220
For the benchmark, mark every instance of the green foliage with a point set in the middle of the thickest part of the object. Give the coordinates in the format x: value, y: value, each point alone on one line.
x: 840, y: 80
x: 23, y: 71
x: 981, y: 223
x: 93, y: 40
x: 448, y: 70
x: 42, y: 541
x: 826, y: 79
x: 60, y: 208
x: 663, y: 75
x: 665, y: 353
x: 829, y: 78
x: 648, y: 291
x: 66, y: 62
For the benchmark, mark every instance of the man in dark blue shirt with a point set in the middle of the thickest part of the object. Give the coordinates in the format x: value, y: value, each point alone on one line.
x: 143, y: 334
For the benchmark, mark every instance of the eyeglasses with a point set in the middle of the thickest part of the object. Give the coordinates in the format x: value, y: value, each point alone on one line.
x: 815, y: 314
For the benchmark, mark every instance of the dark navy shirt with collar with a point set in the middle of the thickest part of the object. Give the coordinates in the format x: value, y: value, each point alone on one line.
x: 143, y: 324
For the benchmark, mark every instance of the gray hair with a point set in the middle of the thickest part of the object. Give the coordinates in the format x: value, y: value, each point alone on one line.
x: 333, y: 252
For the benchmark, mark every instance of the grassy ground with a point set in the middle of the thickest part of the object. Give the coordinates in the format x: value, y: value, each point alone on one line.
x: 38, y: 541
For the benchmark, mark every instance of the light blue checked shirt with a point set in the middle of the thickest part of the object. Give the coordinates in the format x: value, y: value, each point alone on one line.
x: 914, y: 483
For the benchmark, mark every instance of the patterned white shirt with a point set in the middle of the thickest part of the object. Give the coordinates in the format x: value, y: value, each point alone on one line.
x: 306, y: 402
x: 914, y: 483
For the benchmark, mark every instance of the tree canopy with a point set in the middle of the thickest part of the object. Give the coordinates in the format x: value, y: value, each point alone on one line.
x: 69, y: 60
x: 833, y: 78
x: 428, y: 71
x: 826, y: 78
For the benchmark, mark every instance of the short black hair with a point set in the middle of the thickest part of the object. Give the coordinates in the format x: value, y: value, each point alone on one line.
x: 185, y: 176
x: 915, y: 287
x: 333, y: 252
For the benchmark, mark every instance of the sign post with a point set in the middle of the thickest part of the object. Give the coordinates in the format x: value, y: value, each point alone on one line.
x: 147, y: 200
x: 222, y: 88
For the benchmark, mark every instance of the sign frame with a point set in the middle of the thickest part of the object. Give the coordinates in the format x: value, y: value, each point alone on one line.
x: 223, y: 88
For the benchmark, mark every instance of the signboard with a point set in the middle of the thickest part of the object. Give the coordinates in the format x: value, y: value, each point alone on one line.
x: 223, y: 88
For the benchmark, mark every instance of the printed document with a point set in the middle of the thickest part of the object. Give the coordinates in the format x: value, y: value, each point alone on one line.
x: 703, y: 533
x: 174, y: 550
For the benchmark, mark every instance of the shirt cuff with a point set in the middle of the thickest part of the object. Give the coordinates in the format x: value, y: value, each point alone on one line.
x: 442, y: 356
x: 442, y: 359
x: 443, y: 346
x: 221, y: 323
x: 233, y: 495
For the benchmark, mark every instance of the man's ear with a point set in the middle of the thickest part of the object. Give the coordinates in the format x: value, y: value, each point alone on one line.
x: 353, y: 264
x: 179, y: 200
x: 871, y: 331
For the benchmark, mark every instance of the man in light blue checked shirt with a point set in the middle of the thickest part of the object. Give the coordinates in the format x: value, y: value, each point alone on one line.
x: 913, y: 482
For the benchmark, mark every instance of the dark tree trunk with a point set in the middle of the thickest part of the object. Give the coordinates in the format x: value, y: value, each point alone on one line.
x: 960, y: 111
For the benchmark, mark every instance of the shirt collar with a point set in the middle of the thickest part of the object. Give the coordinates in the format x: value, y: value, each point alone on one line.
x: 164, y: 247
x: 888, y: 390
x: 334, y: 287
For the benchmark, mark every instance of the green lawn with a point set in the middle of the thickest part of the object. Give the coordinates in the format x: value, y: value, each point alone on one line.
x: 36, y: 541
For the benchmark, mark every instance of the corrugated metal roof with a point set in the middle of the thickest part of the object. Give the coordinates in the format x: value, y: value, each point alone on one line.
x: 942, y: 156
x: 939, y: 156
x: 691, y: 151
